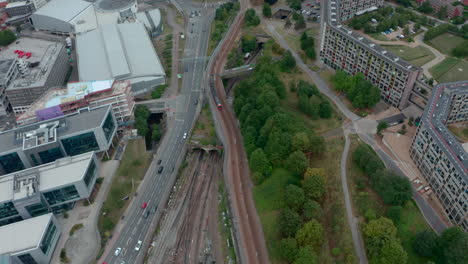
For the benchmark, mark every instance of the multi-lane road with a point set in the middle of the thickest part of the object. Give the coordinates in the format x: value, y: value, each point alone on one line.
x: 155, y: 186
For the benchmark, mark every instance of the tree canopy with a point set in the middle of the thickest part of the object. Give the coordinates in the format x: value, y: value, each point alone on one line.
x: 7, y: 37
x: 310, y: 234
x: 266, y: 10
x: 297, y: 162
x: 289, y: 222
x: 314, y: 183
x: 358, y: 90
x: 306, y: 255
x: 251, y: 19
x: 294, y: 197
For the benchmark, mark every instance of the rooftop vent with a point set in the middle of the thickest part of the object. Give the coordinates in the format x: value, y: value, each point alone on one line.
x: 372, y: 45
x: 396, y: 59
x: 384, y: 52
x: 360, y: 38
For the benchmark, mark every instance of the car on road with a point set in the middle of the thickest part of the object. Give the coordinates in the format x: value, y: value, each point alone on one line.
x: 160, y: 169
x: 144, y: 205
x: 117, y: 251
x: 185, y: 135
x: 196, y: 101
x: 146, y: 214
x: 159, y: 162
x: 138, y: 245
x: 153, y: 210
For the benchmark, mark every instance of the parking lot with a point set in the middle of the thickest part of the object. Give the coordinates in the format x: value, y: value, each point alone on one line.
x: 310, y: 9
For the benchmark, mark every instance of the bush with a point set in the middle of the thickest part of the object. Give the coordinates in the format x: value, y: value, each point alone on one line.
x: 394, y: 214
x: 75, y: 228
x: 425, y: 243
x: 7, y: 37
x: 251, y: 19
x: 99, y: 180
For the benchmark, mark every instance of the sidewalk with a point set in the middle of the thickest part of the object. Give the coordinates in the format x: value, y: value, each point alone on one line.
x: 84, y: 245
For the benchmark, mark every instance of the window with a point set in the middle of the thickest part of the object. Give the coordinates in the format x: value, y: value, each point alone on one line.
x: 61, y: 195
x: 7, y: 210
x: 50, y: 155
x: 90, y: 173
x: 11, y: 162
x: 108, y: 127
x: 33, y: 158
x: 27, y: 259
x: 11, y: 220
x: 37, y: 209
x: 48, y: 238
x: 80, y: 144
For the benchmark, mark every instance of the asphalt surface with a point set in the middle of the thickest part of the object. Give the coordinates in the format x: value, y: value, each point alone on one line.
x: 136, y: 227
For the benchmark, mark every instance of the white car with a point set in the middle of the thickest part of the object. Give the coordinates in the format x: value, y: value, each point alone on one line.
x: 117, y: 251
x: 138, y: 245
x: 185, y: 135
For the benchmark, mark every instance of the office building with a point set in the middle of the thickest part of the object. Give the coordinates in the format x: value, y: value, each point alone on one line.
x: 52, y: 187
x: 113, y: 12
x: 41, y: 64
x: 37, y: 3
x: 66, y: 17
x: 343, y: 49
x: 351, y: 8
x: 32, y: 241
x: 78, y: 95
x: 56, y: 137
x: 439, y: 155
x: 120, y: 52
x: 20, y: 8
x: 8, y: 73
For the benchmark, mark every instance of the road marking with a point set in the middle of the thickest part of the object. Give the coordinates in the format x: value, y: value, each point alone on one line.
x: 181, y: 120
x: 139, y: 221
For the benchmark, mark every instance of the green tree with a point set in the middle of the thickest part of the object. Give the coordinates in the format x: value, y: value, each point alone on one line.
x: 289, y: 222
x: 393, y: 188
x: 251, y: 19
x: 156, y: 134
x: 306, y: 255
x: 317, y: 144
x: 288, y: 62
x: 300, y: 23
x: 258, y: 162
x: 141, y: 126
x: 381, y: 126
x: 394, y: 213
x: 7, y: 37
x: 406, y: 31
x: 142, y: 111
x: 325, y: 110
x: 300, y: 141
x: 377, y: 233
x: 248, y: 43
x: 425, y: 243
x: 294, y: 197
x: 392, y: 253
x: 314, y: 183
x: 425, y: 8
x: 266, y: 10
x: 453, y: 245
x: 311, y: 210
x: 288, y: 249
x: 296, y: 162
x: 310, y: 234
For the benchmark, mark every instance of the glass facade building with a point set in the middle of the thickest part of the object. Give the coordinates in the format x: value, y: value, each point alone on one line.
x: 108, y: 127
x: 61, y: 195
x: 37, y: 209
x: 11, y: 220
x: 80, y: 144
x: 49, y: 236
x: 27, y: 259
x: 7, y: 210
x: 90, y: 173
x: 11, y: 162
x: 50, y: 155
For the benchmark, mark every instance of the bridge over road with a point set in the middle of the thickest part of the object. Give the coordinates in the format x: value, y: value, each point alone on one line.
x: 160, y: 105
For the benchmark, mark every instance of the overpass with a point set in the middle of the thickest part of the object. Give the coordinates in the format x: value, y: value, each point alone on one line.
x: 238, y: 71
x: 159, y: 105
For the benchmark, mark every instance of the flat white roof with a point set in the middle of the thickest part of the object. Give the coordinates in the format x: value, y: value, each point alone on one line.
x: 64, y: 10
x: 23, y: 235
x: 51, y: 175
x: 120, y: 51
x: 154, y: 18
x: 15, y: 4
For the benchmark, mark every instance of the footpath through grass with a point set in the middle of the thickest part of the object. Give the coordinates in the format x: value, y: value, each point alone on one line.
x: 450, y: 70
x: 365, y: 200
x: 133, y: 166
x: 418, y: 55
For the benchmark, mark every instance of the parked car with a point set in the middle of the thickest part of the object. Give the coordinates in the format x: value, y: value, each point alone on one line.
x: 138, y: 245
x: 144, y: 205
x: 146, y: 214
x: 159, y: 162
x: 160, y: 169
x: 117, y: 251
x: 185, y: 135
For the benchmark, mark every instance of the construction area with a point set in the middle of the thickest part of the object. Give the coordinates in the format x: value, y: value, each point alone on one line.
x: 189, y: 230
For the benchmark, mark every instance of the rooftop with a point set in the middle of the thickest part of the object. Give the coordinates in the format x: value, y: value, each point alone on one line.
x: 435, y: 115
x: 64, y: 10
x: 23, y: 235
x: 73, y: 92
x: 22, y: 184
x: 11, y: 140
x: 40, y: 55
x: 5, y: 66
x: 117, y: 51
x: 111, y: 5
x: 151, y: 18
x: 15, y: 4
x: 333, y: 20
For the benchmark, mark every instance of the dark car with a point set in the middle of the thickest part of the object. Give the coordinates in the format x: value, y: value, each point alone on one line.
x: 159, y: 162
x: 160, y: 169
x: 196, y: 101
x: 145, y: 215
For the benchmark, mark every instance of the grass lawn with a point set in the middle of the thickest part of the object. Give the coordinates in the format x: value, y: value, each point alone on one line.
x: 135, y: 162
x: 446, y: 42
x: 379, y: 36
x: 418, y: 55
x: 450, y: 70
x: 460, y: 132
x: 204, y: 131
x: 268, y: 198
x: 411, y: 221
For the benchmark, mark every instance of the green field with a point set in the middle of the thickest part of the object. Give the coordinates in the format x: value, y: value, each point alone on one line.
x: 418, y: 55
x: 450, y: 70
x: 446, y: 42
x: 411, y: 221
